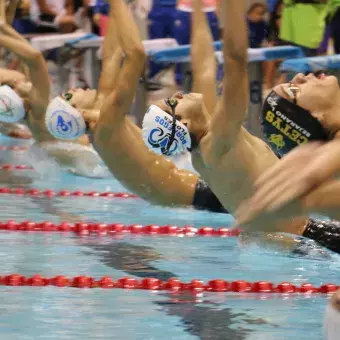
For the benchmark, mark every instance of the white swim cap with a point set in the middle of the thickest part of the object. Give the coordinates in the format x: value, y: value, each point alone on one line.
x: 158, y: 133
x: 64, y: 121
x: 11, y: 105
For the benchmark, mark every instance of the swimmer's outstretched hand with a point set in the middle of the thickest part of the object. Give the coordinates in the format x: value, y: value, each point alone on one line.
x: 282, y: 191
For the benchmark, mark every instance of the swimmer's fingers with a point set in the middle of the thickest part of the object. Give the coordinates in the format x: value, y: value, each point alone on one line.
x: 273, y: 221
x: 261, y: 202
x: 300, y: 155
x: 288, y: 195
x: 245, y: 213
x: 273, y: 188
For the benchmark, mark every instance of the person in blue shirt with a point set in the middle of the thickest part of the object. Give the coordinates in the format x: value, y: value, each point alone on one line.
x: 257, y: 26
x: 167, y: 20
x: 102, y: 7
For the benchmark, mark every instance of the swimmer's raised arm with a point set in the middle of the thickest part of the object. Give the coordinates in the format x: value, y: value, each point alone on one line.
x: 203, y: 60
x: 33, y: 59
x: 231, y: 109
x: 119, y: 141
x: 112, y: 57
x: 10, y: 10
x: 122, y: 97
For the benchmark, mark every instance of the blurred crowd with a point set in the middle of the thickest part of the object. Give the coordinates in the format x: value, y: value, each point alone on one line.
x: 313, y: 25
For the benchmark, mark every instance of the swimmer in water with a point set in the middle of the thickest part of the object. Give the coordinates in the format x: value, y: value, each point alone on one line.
x: 26, y: 100
x: 303, y: 182
x: 10, y: 77
x: 116, y: 137
x: 227, y: 157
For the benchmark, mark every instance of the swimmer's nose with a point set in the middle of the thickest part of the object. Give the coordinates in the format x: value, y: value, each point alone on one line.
x: 300, y: 78
x: 178, y: 95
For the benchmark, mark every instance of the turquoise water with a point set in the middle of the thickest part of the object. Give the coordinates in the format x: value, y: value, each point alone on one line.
x: 55, y: 313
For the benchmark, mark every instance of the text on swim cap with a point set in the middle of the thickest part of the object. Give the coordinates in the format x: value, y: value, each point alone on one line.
x: 273, y: 103
x: 167, y: 124
x: 285, y: 128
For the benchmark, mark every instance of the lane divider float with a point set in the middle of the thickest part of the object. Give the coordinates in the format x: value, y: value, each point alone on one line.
x: 172, y: 285
x: 63, y: 193
x: 102, y: 229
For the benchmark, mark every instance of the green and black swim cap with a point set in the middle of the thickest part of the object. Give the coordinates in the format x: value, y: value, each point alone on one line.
x: 287, y: 125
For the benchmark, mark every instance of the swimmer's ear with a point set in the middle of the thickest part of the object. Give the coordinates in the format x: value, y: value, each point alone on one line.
x: 186, y: 122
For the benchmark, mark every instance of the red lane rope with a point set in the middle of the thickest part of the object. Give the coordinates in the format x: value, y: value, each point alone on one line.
x: 63, y: 193
x: 173, y: 285
x: 103, y: 229
x: 13, y: 148
x: 10, y: 167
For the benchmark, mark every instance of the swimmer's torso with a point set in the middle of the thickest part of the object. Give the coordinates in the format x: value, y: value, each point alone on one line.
x: 231, y: 179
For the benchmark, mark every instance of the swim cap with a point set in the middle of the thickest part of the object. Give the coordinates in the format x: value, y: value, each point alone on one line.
x: 64, y: 121
x: 287, y: 125
x: 11, y: 105
x: 163, y: 133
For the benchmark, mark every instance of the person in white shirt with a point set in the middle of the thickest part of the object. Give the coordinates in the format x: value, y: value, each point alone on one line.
x: 52, y: 16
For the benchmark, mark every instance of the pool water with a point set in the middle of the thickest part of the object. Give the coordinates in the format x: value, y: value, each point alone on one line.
x: 69, y: 313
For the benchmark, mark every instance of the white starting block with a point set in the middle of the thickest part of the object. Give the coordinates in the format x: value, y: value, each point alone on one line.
x: 49, y: 42
x: 94, y: 55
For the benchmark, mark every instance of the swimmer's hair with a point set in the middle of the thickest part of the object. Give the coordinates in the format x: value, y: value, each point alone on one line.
x: 255, y: 6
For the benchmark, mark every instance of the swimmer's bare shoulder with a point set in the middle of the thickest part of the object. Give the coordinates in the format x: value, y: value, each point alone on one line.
x: 229, y: 158
x: 119, y: 141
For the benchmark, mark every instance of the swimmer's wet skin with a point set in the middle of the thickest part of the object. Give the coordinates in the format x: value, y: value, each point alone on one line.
x: 228, y: 157
x: 116, y: 138
x: 29, y: 99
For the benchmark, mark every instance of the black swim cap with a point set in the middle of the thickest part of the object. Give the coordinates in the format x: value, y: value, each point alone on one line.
x: 287, y: 125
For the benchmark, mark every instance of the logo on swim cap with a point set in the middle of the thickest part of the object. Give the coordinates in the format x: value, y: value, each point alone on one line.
x: 159, y: 139
x: 157, y: 133
x: 11, y: 105
x: 277, y: 140
x: 287, y: 125
x: 64, y: 121
x: 6, y: 106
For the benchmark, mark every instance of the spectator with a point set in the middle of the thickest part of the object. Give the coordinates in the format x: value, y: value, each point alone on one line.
x: 257, y: 26
x: 52, y: 16
x: 171, y: 19
x: 273, y: 40
x: 271, y: 5
x: 335, y: 24
x: 90, y: 6
x: 100, y: 16
x: 22, y: 22
x: 303, y: 24
x: 182, y: 17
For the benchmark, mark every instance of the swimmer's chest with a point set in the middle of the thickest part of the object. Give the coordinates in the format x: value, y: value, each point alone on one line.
x: 232, y: 178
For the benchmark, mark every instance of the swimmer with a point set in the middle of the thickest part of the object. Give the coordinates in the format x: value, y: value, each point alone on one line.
x: 14, y: 130
x: 304, y: 182
x: 26, y: 100
x: 116, y: 138
x: 228, y: 158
